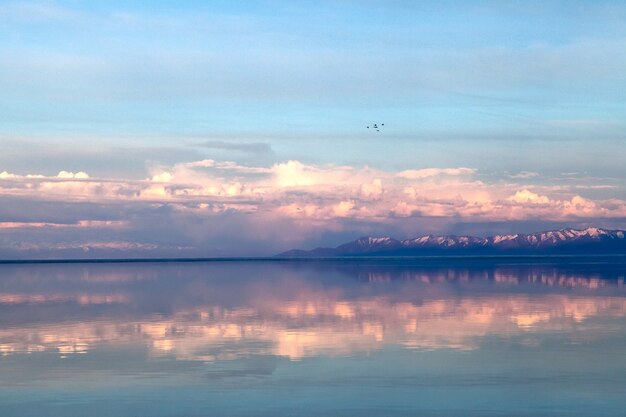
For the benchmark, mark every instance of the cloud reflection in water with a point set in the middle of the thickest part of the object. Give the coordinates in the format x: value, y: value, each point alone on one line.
x: 204, y: 313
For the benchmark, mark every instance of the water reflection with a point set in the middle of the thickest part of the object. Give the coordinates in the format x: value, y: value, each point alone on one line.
x: 367, y: 338
x: 218, y: 312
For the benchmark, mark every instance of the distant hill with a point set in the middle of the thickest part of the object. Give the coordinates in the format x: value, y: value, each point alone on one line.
x: 569, y: 241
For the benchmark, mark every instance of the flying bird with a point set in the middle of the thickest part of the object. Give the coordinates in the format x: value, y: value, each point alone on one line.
x: 376, y: 126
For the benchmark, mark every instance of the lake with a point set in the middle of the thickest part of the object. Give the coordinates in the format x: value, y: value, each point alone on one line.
x: 370, y: 337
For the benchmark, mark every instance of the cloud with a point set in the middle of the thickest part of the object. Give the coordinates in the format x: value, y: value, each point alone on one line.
x: 302, y: 319
x: 525, y: 196
x: 31, y: 11
x: 223, y: 208
x: 89, y: 224
x: 304, y: 190
x: 4, y: 175
x: 433, y: 172
x: 247, y: 147
x: 524, y: 174
x: 191, y: 65
x: 162, y: 177
x: 78, y: 175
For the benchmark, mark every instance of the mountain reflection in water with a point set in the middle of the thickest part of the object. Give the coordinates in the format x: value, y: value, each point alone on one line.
x: 151, y: 315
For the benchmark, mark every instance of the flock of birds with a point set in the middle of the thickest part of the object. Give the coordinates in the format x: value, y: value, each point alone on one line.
x: 376, y: 126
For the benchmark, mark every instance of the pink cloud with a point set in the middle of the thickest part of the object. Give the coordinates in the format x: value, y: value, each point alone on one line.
x: 194, y: 203
x: 90, y: 224
x: 300, y: 190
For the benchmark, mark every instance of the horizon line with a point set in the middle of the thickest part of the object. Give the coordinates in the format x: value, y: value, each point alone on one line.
x: 305, y: 259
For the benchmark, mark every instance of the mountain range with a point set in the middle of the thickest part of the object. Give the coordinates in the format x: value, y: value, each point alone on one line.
x: 592, y: 240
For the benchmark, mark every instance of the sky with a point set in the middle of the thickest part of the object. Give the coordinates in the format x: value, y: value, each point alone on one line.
x: 220, y: 128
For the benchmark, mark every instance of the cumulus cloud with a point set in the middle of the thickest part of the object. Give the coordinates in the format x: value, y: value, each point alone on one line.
x: 525, y: 196
x: 77, y: 175
x: 222, y: 205
x: 5, y: 175
x: 304, y: 190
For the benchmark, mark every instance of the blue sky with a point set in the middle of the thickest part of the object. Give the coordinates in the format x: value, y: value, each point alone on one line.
x: 122, y: 89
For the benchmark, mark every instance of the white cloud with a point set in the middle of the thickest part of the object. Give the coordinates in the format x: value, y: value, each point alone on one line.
x: 525, y: 196
x: 77, y: 175
x: 162, y: 177
x: 4, y: 175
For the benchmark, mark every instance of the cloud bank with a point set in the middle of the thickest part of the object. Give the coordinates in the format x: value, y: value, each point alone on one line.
x: 210, y: 208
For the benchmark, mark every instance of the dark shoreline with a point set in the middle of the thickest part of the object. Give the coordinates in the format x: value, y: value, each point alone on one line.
x: 612, y: 258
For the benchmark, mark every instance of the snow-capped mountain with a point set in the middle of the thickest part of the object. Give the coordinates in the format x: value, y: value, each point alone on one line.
x: 564, y: 241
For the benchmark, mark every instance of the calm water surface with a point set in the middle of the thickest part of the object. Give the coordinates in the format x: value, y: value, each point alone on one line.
x: 369, y: 338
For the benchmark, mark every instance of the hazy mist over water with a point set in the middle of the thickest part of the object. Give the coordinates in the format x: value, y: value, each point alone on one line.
x: 373, y: 337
